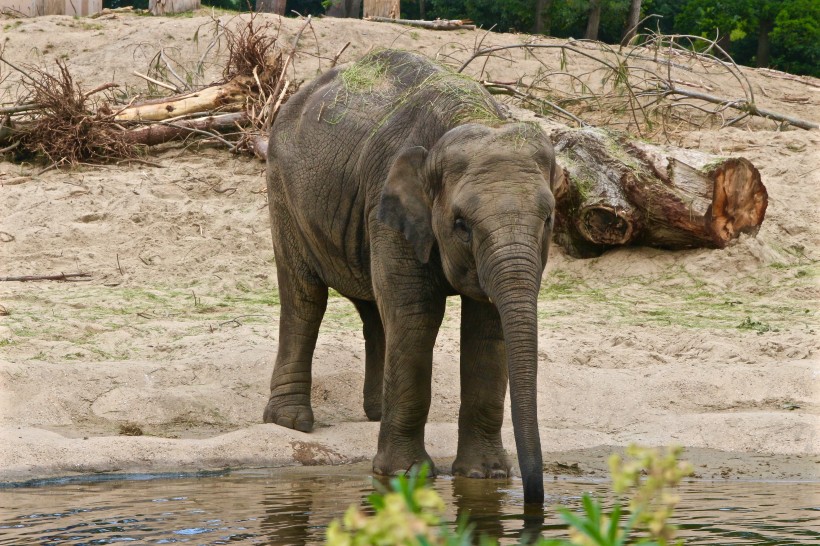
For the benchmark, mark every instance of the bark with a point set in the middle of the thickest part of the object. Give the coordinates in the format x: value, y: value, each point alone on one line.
x: 763, y: 47
x: 632, y: 20
x: 381, y: 8
x: 594, y: 20
x: 226, y: 97
x: 271, y: 6
x: 624, y: 192
x: 438, y: 24
x: 165, y: 7
x: 543, y: 21
x: 159, y: 133
x: 345, y: 8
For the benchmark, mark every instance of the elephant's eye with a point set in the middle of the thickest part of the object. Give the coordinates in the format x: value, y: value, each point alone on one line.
x: 462, y: 230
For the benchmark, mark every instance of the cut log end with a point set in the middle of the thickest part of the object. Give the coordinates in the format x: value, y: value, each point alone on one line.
x: 607, y: 225
x: 628, y: 192
x: 739, y: 200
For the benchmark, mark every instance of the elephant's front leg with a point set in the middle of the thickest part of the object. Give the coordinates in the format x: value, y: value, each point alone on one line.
x: 483, y: 387
x: 303, y: 302
x: 410, y: 336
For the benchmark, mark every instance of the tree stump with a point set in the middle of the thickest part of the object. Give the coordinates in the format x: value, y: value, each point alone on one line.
x: 622, y: 191
x: 344, y: 8
x: 165, y: 7
x: 382, y: 8
x: 271, y: 6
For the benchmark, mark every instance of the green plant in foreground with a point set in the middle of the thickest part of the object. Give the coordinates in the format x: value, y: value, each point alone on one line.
x: 409, y: 513
x: 646, y: 477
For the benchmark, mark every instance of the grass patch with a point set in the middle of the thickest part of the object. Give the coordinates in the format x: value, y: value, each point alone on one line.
x: 363, y: 75
x: 675, y: 297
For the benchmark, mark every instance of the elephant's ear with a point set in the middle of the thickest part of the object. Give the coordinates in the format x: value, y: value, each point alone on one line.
x: 405, y: 204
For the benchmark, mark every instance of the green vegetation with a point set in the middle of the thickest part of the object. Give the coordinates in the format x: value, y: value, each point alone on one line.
x: 410, y: 514
x: 87, y: 323
x: 783, y: 34
x: 363, y: 75
x: 677, y: 297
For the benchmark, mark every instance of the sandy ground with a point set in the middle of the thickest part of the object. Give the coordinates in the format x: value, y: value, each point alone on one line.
x: 176, y: 331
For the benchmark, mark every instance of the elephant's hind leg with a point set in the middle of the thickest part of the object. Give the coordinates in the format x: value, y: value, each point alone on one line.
x: 374, y: 357
x: 303, y: 299
x: 483, y: 387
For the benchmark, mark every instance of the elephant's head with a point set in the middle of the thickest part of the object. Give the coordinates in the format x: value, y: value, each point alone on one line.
x: 483, y: 197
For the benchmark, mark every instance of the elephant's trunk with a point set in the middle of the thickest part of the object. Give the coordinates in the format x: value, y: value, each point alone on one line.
x: 515, y: 274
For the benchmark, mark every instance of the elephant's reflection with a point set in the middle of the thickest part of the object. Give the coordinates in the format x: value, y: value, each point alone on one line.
x: 484, y: 500
x: 297, y: 514
x: 288, y: 511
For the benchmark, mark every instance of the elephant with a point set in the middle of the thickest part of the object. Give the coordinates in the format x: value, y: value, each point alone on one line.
x: 399, y: 183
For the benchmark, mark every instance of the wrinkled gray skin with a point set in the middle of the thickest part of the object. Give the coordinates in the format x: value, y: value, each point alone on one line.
x: 398, y: 191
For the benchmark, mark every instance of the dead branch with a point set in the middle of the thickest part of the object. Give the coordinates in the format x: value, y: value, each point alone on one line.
x: 162, y: 132
x: 16, y: 181
x: 744, y: 106
x: 638, y: 82
x: 259, y: 145
x: 19, y: 108
x: 438, y: 24
x: 65, y: 128
x: 58, y: 277
x: 173, y: 88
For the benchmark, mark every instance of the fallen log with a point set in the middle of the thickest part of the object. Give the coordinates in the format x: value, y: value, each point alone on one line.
x: 438, y: 24
x: 162, y: 132
x: 623, y: 192
x: 229, y: 96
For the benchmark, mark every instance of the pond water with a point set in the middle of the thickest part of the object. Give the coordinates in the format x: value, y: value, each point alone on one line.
x: 294, y: 509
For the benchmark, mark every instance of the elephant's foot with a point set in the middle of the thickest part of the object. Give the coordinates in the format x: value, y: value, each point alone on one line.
x: 394, y: 462
x: 482, y: 460
x: 287, y: 414
x: 373, y: 408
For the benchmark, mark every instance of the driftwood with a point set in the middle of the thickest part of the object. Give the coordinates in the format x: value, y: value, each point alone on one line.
x: 623, y: 192
x: 438, y: 24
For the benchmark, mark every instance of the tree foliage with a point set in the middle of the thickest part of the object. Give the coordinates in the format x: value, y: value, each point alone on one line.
x: 782, y: 34
x: 790, y: 28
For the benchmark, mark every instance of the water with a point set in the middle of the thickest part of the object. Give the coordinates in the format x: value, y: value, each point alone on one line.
x: 294, y: 509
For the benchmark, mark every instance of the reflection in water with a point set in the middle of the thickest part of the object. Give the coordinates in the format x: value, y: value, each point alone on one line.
x: 494, y: 512
x: 287, y: 511
x: 294, y: 509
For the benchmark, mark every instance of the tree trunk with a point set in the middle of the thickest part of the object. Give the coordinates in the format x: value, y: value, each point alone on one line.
x: 165, y: 7
x: 624, y: 192
x: 382, y: 8
x: 225, y: 97
x: 543, y: 21
x: 271, y: 6
x: 345, y: 8
x: 632, y: 19
x: 762, y: 57
x: 160, y: 133
x: 594, y: 20
x: 422, y: 10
